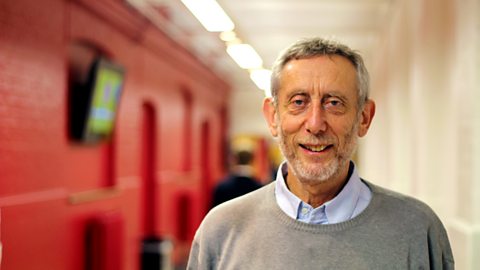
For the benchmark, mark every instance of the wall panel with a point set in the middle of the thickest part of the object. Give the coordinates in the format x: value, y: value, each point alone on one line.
x: 53, y: 188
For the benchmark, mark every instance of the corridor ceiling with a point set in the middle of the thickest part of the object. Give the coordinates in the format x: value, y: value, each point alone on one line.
x: 269, y: 26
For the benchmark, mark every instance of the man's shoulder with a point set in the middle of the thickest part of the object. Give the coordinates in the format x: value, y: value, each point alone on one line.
x: 412, y: 217
x: 402, y: 205
x: 234, y: 215
x: 225, y: 182
x: 233, y: 181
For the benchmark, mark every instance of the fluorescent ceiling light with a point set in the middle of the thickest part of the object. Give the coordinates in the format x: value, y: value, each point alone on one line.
x: 245, y: 56
x: 210, y: 15
x: 228, y: 36
x: 261, y: 77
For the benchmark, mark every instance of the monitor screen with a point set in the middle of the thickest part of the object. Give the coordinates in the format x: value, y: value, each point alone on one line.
x: 105, y: 85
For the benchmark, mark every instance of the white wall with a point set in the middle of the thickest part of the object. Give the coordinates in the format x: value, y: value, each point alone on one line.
x: 425, y: 139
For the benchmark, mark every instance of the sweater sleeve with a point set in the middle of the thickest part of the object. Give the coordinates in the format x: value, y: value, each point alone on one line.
x: 440, y: 252
x: 200, y: 257
x: 204, y: 253
x: 194, y: 259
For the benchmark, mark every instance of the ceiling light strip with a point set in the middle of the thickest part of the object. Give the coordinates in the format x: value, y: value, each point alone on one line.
x: 245, y: 56
x: 210, y: 15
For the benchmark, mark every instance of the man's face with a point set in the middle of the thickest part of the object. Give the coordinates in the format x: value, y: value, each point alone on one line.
x: 316, y: 118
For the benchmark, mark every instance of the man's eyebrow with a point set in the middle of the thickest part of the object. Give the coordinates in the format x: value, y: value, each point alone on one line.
x: 336, y: 94
x: 296, y: 92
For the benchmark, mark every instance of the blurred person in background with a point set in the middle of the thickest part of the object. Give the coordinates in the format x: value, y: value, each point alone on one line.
x: 319, y: 214
x: 240, y: 181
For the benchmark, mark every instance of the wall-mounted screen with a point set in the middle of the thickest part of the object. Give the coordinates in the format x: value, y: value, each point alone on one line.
x: 106, y: 88
x: 94, y: 105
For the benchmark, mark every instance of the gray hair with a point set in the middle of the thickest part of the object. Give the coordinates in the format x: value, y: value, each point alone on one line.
x: 311, y: 47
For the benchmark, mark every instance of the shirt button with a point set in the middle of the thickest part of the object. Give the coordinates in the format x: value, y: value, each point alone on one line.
x: 304, y: 210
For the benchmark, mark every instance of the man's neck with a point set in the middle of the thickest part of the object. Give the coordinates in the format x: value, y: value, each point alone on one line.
x: 317, y: 193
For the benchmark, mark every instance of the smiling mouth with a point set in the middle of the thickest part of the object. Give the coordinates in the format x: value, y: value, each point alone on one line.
x: 316, y: 148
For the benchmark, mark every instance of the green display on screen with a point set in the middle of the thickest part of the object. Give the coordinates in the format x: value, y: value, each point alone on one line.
x: 105, y: 96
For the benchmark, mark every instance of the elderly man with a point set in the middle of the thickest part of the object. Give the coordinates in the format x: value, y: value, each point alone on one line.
x: 319, y: 214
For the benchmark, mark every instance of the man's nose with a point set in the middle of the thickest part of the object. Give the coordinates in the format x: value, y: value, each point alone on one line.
x: 316, y: 120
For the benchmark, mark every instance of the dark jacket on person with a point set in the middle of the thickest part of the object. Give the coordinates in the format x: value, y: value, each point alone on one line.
x: 234, y: 186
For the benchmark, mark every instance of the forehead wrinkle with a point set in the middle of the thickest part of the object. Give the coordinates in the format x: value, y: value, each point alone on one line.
x: 320, y: 78
x: 324, y: 86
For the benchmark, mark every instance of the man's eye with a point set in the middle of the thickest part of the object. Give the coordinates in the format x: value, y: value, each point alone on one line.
x: 298, y: 102
x: 335, y: 106
x: 334, y: 102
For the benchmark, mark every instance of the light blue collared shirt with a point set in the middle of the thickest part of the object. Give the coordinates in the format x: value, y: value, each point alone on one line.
x: 351, y: 201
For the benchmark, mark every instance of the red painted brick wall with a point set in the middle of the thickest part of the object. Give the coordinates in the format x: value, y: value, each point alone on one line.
x: 51, y: 187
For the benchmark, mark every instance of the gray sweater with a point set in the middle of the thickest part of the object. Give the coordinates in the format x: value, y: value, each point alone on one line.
x: 252, y: 232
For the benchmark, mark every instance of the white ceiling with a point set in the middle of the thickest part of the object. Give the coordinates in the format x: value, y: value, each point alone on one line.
x: 269, y: 26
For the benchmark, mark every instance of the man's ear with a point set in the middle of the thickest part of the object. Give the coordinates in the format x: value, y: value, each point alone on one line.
x: 366, y: 117
x: 269, y: 112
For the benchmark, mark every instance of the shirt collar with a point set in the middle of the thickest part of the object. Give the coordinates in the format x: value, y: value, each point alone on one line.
x: 287, y: 201
x: 339, y: 209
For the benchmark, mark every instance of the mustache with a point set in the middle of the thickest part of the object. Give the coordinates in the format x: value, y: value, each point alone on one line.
x: 319, y: 139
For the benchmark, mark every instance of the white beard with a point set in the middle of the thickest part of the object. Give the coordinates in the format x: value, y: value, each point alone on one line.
x: 316, y: 173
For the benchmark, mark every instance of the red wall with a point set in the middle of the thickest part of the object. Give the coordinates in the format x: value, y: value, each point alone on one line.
x: 53, y: 189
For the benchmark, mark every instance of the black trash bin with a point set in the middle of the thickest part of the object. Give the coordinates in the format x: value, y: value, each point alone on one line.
x: 157, y: 254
